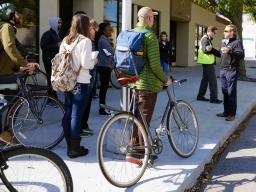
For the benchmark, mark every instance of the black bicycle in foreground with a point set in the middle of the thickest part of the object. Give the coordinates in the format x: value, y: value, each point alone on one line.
x: 24, y: 169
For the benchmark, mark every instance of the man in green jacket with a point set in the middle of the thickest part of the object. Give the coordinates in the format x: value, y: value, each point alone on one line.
x: 10, y: 58
x: 152, y: 77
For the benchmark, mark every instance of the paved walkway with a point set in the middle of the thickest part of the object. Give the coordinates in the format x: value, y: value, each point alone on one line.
x: 236, y: 170
x: 171, y: 173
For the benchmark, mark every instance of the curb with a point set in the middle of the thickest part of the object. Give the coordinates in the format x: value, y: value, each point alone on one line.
x: 192, y: 179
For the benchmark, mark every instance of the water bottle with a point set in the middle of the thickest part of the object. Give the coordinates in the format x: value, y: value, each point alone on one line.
x: 3, y: 101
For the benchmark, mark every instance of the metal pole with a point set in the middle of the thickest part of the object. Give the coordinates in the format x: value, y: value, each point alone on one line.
x: 126, y: 24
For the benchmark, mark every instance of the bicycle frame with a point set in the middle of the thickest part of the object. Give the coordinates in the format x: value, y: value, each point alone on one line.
x: 172, y: 102
x: 25, y: 94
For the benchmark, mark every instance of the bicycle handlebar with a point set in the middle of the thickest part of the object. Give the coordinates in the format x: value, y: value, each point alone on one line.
x: 176, y: 81
x: 180, y: 81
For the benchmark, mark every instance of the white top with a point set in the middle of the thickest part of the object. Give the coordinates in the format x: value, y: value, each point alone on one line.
x: 81, y: 56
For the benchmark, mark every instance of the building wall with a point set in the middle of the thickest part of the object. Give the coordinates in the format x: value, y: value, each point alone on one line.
x: 249, y: 36
x: 48, y: 9
x: 185, y: 30
x: 163, y: 7
x: 94, y: 8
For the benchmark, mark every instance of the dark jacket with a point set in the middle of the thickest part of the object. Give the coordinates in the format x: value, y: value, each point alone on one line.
x: 165, y: 50
x: 49, y: 45
x: 106, y: 52
x: 231, y: 60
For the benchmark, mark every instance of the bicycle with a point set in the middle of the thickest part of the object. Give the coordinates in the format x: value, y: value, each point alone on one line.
x: 114, y: 79
x: 33, y: 117
x: 126, y: 146
x: 31, y: 169
x: 38, y: 78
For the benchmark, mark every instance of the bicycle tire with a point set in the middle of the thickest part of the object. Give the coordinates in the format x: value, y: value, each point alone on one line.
x: 28, y: 132
x: 173, y: 120
x: 110, y: 146
x: 40, y: 168
x: 113, y: 80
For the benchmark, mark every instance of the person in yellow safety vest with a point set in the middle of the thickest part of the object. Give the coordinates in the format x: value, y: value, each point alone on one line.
x: 206, y: 57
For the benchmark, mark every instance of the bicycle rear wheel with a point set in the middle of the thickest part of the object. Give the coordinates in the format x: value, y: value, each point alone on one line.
x: 182, y: 128
x: 114, y: 80
x: 123, y: 156
x: 38, y: 123
x: 34, y: 169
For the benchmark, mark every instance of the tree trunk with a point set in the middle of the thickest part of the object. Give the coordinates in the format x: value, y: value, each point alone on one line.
x: 238, y: 20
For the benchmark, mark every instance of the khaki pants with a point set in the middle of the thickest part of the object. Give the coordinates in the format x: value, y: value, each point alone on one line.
x: 146, y: 102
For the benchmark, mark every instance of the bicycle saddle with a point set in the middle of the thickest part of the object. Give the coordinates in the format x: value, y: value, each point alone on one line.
x: 127, y: 80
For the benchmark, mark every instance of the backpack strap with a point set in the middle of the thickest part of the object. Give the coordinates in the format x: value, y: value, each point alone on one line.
x: 78, y: 39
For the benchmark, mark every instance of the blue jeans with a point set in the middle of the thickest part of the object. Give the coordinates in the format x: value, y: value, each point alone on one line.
x: 229, y: 90
x: 165, y: 67
x: 75, y: 104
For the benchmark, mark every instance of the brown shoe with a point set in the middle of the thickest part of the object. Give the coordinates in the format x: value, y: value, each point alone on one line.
x: 230, y: 118
x: 6, y: 137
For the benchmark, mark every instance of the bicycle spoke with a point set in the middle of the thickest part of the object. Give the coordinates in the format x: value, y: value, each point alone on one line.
x: 183, y: 130
x: 123, y: 164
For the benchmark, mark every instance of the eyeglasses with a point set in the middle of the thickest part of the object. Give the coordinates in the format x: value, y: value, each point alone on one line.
x: 226, y: 31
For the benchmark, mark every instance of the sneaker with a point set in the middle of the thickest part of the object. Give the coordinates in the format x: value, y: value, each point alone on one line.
x: 103, y: 112
x: 6, y: 137
x: 202, y: 99
x: 95, y: 96
x: 86, y: 132
x: 221, y: 115
x: 230, y: 118
x: 216, y: 101
x: 85, y: 135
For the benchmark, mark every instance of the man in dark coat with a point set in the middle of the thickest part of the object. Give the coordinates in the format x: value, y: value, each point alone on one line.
x: 50, y: 43
x: 232, y: 53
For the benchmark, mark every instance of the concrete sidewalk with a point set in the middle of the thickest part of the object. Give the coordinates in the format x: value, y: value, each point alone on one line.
x: 170, y: 172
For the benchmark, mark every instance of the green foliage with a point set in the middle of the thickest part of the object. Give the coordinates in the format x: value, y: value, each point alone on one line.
x: 229, y: 8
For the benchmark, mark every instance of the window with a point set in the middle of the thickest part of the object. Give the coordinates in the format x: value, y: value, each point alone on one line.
x: 28, y: 29
x: 200, y: 31
x: 113, y: 15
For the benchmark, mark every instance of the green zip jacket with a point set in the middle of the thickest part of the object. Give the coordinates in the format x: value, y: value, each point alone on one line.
x: 152, y: 76
x: 10, y: 57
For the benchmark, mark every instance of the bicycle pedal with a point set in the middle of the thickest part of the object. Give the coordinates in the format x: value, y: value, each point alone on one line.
x: 150, y: 163
x: 134, y: 161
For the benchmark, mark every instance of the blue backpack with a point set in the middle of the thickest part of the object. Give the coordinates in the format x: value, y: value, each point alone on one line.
x: 129, y: 53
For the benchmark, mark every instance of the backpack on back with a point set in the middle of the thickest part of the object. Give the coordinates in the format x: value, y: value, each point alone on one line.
x: 128, y: 53
x: 64, y: 76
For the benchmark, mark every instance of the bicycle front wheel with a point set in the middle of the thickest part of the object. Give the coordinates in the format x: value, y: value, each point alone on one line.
x: 182, y: 129
x: 114, y: 80
x: 123, y: 150
x: 35, y: 169
x: 38, y: 123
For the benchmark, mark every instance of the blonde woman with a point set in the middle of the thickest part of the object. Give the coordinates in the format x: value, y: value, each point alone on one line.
x: 77, y: 99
